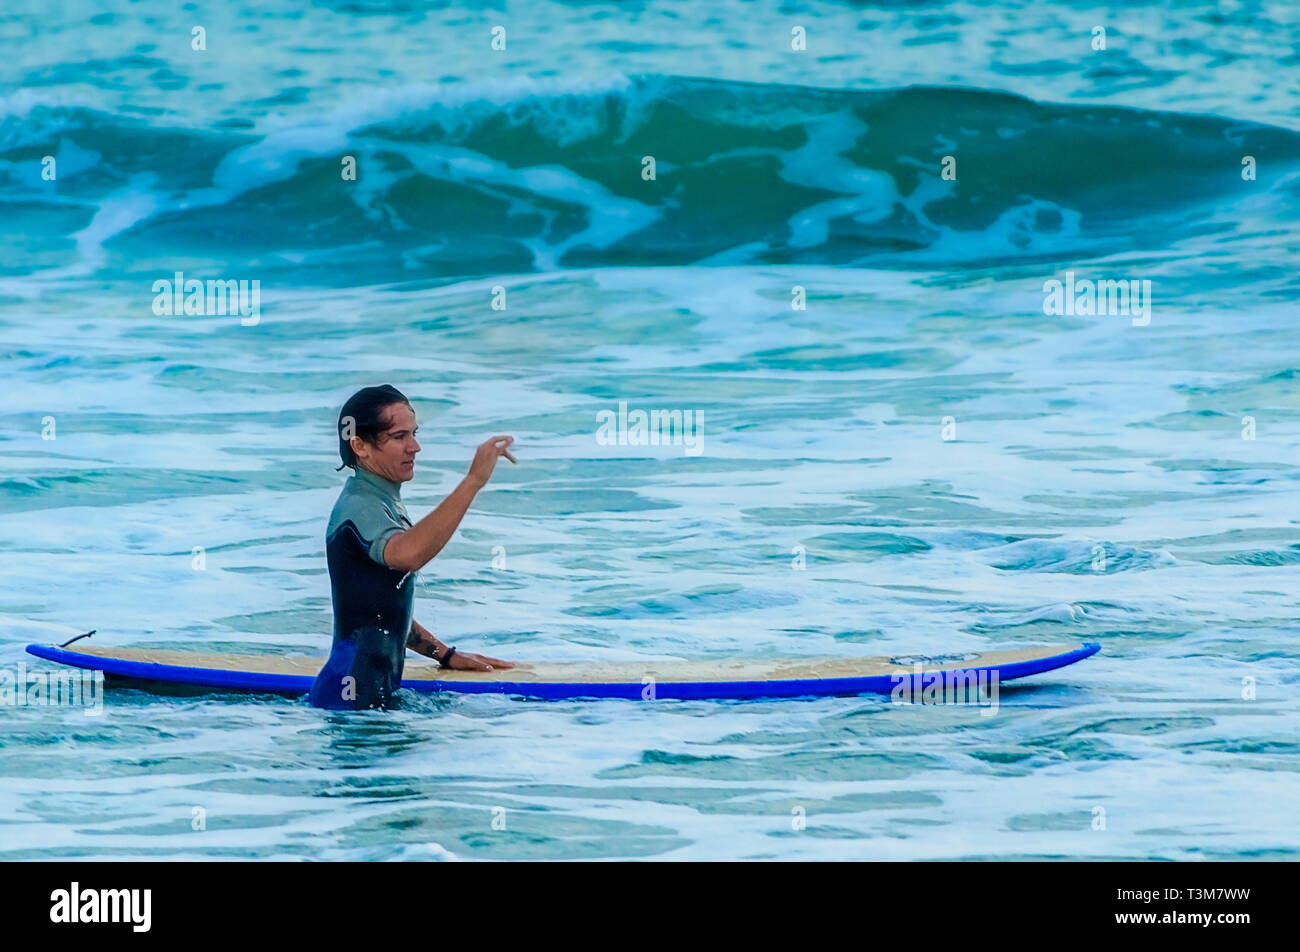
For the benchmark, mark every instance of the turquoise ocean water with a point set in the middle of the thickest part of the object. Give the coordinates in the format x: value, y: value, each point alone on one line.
x: 1102, y: 477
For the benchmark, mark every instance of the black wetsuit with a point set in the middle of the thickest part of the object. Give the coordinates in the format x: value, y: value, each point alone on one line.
x: 372, y: 603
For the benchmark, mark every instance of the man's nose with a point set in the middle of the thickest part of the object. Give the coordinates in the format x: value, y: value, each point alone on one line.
x: 416, y: 444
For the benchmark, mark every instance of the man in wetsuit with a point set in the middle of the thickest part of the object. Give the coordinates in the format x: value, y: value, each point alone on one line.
x: 374, y: 550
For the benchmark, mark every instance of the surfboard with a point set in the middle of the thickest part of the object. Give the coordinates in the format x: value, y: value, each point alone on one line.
x: 634, y: 680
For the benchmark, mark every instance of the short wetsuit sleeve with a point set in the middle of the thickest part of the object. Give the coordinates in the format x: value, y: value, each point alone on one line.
x: 375, y: 520
x: 381, y: 540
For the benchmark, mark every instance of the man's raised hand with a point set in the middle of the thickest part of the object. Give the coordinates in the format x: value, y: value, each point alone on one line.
x: 486, y: 456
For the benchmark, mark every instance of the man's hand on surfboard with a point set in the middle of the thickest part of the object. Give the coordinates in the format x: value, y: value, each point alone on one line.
x: 466, y: 661
x: 486, y: 456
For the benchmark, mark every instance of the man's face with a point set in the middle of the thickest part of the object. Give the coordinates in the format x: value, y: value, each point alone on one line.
x: 392, y: 455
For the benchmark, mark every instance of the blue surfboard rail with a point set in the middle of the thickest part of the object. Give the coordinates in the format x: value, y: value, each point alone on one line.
x: 295, y: 684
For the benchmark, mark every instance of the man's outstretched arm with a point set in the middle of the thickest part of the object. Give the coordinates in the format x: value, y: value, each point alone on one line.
x: 411, y: 550
x: 421, y: 641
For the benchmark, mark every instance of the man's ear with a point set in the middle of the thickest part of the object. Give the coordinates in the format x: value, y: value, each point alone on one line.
x: 357, y: 443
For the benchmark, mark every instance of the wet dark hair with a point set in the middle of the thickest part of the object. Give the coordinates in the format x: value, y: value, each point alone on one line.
x: 366, y: 410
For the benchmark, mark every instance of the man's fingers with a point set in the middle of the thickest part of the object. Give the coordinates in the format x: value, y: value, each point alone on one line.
x: 499, y: 443
x: 487, y: 661
x: 477, y: 662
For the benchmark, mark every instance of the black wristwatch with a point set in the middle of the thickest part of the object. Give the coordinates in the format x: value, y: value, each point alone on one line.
x: 445, y: 660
